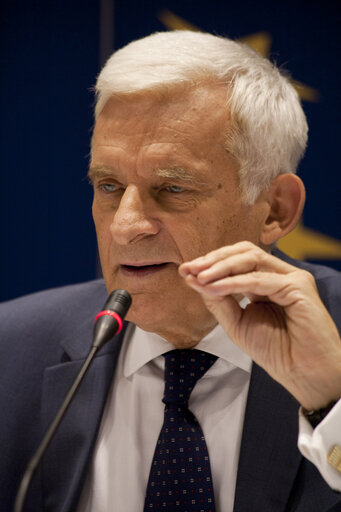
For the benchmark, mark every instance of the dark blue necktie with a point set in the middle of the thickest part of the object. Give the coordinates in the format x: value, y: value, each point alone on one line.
x: 180, y: 477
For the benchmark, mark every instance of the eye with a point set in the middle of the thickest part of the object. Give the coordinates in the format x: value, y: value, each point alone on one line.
x: 174, y: 189
x: 108, y: 187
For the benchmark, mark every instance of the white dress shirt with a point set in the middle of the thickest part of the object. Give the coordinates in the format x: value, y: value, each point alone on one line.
x: 316, y: 444
x: 133, y: 417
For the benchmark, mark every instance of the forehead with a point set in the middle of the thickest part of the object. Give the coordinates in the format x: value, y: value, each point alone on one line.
x: 147, y: 131
x: 197, y: 113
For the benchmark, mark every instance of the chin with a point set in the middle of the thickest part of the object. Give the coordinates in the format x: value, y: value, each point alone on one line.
x: 147, y: 312
x: 171, y: 319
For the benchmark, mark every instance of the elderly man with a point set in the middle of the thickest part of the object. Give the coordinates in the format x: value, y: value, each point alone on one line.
x: 194, y: 152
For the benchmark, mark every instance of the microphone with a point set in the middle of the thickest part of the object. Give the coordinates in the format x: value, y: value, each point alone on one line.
x: 108, y: 323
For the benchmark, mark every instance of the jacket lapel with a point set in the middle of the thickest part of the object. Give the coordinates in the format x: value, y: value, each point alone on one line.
x: 66, y: 461
x: 269, y: 458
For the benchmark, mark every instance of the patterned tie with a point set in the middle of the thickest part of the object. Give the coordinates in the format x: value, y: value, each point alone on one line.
x: 180, y: 477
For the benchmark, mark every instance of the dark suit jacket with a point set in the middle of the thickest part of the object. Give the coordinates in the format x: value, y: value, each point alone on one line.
x: 44, y: 339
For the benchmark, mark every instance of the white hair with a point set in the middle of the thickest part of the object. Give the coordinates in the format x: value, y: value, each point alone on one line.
x: 269, y: 128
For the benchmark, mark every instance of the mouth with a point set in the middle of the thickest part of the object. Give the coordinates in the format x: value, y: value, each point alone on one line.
x: 138, y: 270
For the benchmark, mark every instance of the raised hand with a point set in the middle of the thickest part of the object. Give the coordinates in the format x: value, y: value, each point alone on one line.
x: 286, y: 329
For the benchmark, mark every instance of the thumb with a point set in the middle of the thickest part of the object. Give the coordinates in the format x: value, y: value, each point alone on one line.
x: 227, y: 312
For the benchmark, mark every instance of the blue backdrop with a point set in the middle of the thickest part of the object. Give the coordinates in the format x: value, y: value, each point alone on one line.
x: 51, y: 52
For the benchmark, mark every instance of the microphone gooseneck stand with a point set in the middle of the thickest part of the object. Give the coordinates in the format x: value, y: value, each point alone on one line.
x: 107, y: 323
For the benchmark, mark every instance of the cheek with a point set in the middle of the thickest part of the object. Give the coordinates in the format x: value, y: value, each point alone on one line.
x: 196, y: 237
x: 207, y: 233
x: 102, y: 226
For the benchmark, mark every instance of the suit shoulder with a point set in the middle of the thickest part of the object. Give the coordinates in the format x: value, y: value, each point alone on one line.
x: 49, y: 314
x: 55, y: 299
x: 328, y: 282
x: 319, y: 270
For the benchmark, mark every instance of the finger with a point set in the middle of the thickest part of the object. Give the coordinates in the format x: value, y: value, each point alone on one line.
x: 193, y: 283
x: 279, y: 288
x: 203, y: 262
x: 241, y: 264
x: 251, y: 253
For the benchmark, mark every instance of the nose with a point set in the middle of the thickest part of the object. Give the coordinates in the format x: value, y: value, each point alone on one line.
x: 133, y: 219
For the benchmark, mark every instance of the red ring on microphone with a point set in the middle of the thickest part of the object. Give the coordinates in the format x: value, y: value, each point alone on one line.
x: 114, y: 315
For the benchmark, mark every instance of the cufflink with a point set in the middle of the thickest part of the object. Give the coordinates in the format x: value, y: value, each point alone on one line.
x: 334, y: 457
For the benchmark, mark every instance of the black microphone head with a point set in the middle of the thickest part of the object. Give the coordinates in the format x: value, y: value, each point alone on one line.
x: 118, y: 301
x: 110, y: 319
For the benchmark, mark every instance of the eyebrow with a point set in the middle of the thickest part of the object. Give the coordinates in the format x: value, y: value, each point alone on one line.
x: 98, y: 171
x: 178, y: 173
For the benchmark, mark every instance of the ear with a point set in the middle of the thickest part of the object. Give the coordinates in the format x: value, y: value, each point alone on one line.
x: 286, y: 198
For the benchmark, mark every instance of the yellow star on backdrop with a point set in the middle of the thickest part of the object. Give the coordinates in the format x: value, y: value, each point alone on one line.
x: 301, y: 243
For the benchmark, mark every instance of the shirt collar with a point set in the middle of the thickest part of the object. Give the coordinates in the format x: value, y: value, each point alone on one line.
x: 142, y: 347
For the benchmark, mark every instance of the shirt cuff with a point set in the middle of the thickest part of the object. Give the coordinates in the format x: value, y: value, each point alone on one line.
x: 322, y: 445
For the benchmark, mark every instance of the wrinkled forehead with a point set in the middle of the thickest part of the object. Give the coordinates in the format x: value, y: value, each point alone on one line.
x: 200, y: 110
x: 166, y: 90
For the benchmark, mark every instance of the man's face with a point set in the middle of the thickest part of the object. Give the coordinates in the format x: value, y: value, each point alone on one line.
x: 165, y: 192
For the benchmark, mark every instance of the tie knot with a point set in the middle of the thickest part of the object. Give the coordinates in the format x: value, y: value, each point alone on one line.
x: 183, y: 368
